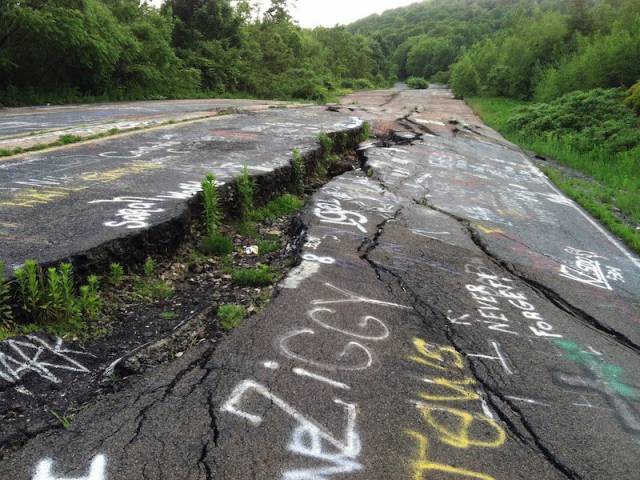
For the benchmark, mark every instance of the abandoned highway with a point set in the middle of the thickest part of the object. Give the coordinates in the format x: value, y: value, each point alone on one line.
x: 452, y: 315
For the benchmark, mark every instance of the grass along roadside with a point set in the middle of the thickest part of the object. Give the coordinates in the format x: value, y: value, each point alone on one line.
x: 605, y: 183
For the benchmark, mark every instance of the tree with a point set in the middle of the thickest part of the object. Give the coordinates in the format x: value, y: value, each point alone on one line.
x: 465, y: 80
x: 278, y: 12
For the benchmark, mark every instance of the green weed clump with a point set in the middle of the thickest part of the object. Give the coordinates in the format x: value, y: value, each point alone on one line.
x: 260, y: 276
x: 150, y: 266
x: 168, y: 315
x: 266, y: 247
x: 299, y: 171
x: 277, y: 208
x: 53, y: 298
x: 245, y: 186
x: 216, y: 245
x: 6, y: 312
x: 231, y: 316
x: 148, y: 287
x: 68, y: 139
x: 116, y: 274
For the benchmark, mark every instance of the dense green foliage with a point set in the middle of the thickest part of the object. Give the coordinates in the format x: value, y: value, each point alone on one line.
x: 70, y: 50
x: 576, y: 45
x: 585, y: 119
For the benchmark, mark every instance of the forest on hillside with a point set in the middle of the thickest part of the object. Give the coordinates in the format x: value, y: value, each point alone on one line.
x: 69, y: 50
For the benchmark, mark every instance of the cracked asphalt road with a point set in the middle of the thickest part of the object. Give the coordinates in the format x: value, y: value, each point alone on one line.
x: 68, y: 201
x: 453, y: 316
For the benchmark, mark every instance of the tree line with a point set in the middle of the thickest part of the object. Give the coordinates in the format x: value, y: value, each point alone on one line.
x: 525, y: 49
x: 70, y: 50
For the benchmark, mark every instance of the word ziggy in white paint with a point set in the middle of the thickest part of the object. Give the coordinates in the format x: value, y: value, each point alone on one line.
x: 44, y: 470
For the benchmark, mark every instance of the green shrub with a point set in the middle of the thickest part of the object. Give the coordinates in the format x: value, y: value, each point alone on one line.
x: 211, y: 201
x: 231, y: 316
x: 417, y: 83
x: 298, y: 171
x: 260, y: 276
x: 217, y: 245
x: 633, y: 98
x: 245, y: 187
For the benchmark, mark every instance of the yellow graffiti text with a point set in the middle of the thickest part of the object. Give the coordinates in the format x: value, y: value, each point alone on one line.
x: 436, y: 356
x: 460, y: 435
x: 423, y: 465
x: 32, y: 197
x: 456, y: 390
x: 117, y: 173
x: 489, y: 230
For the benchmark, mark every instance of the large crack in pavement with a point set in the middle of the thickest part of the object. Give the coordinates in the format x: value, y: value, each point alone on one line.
x: 531, y: 439
x: 545, y: 291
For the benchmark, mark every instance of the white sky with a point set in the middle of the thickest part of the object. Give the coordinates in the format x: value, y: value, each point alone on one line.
x: 327, y: 13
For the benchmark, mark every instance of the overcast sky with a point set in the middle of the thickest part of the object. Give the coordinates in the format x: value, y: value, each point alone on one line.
x: 312, y: 13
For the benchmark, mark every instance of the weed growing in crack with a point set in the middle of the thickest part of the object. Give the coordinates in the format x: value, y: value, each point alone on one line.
x: 277, y: 208
x: 53, y: 298
x: 246, y: 229
x: 116, y: 274
x: 231, y: 316
x: 150, y: 267
x: 29, y: 287
x: 260, y: 276
x: 245, y: 186
x: 168, y: 315
x: 6, y: 313
x: 63, y: 419
x: 216, y: 245
x: 90, y: 302
x: 212, y: 209
x: 152, y: 290
x: 298, y: 170
x: 266, y: 247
